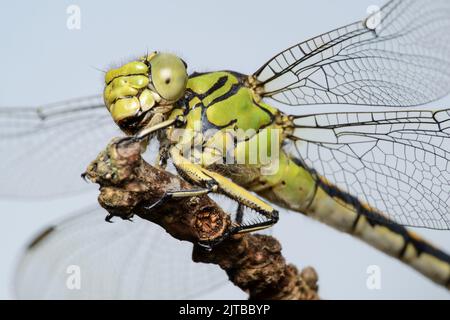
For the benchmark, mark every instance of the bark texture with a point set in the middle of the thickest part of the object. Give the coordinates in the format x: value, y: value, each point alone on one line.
x: 254, y: 263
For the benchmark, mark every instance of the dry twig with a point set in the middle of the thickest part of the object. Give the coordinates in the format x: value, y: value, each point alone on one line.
x: 128, y: 185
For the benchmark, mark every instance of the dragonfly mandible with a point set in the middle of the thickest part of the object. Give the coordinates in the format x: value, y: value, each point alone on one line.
x: 367, y: 173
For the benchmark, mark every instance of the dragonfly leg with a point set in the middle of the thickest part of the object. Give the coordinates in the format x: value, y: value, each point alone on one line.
x: 217, y: 183
x: 257, y: 226
x: 239, y: 229
x: 177, y: 194
x: 252, y: 227
x: 147, y: 131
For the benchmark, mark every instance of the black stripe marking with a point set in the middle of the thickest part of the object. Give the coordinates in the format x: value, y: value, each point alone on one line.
x: 233, y: 90
x: 216, y: 86
x: 271, y: 115
x: 313, y: 173
x: 355, y: 223
x: 402, y: 252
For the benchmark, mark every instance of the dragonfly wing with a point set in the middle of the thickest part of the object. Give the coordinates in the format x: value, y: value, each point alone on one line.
x: 45, y: 150
x: 122, y: 260
x: 399, y: 56
x: 398, y: 162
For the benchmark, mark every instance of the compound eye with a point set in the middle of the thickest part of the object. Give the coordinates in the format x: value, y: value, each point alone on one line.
x: 169, y: 76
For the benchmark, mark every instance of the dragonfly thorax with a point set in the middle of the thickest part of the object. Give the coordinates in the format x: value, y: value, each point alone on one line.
x: 223, y: 119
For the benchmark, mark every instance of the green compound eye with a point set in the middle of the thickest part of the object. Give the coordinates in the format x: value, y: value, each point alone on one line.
x: 169, y: 76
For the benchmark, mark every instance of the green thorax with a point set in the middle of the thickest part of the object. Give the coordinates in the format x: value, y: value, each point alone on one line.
x: 221, y: 100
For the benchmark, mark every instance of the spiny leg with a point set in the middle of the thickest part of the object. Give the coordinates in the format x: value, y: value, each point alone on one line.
x: 257, y: 226
x: 239, y: 228
x: 218, y: 183
x: 177, y: 194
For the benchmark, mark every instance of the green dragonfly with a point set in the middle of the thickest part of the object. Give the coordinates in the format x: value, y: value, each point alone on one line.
x: 369, y: 173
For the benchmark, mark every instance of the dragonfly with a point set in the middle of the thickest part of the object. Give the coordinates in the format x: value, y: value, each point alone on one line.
x: 367, y: 173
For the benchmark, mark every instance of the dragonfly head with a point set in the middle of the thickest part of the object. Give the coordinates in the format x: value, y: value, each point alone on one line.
x: 137, y: 91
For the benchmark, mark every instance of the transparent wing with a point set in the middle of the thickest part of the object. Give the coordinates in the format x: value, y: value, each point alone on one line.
x: 122, y: 260
x: 44, y: 150
x: 397, y: 162
x: 399, y: 56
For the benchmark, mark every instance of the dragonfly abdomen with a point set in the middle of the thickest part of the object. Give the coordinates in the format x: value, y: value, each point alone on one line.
x: 348, y: 214
x: 296, y: 187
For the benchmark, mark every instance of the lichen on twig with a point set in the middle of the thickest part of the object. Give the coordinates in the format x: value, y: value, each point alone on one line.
x: 129, y: 185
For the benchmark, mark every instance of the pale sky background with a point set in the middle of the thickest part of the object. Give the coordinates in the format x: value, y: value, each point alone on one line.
x: 42, y: 61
